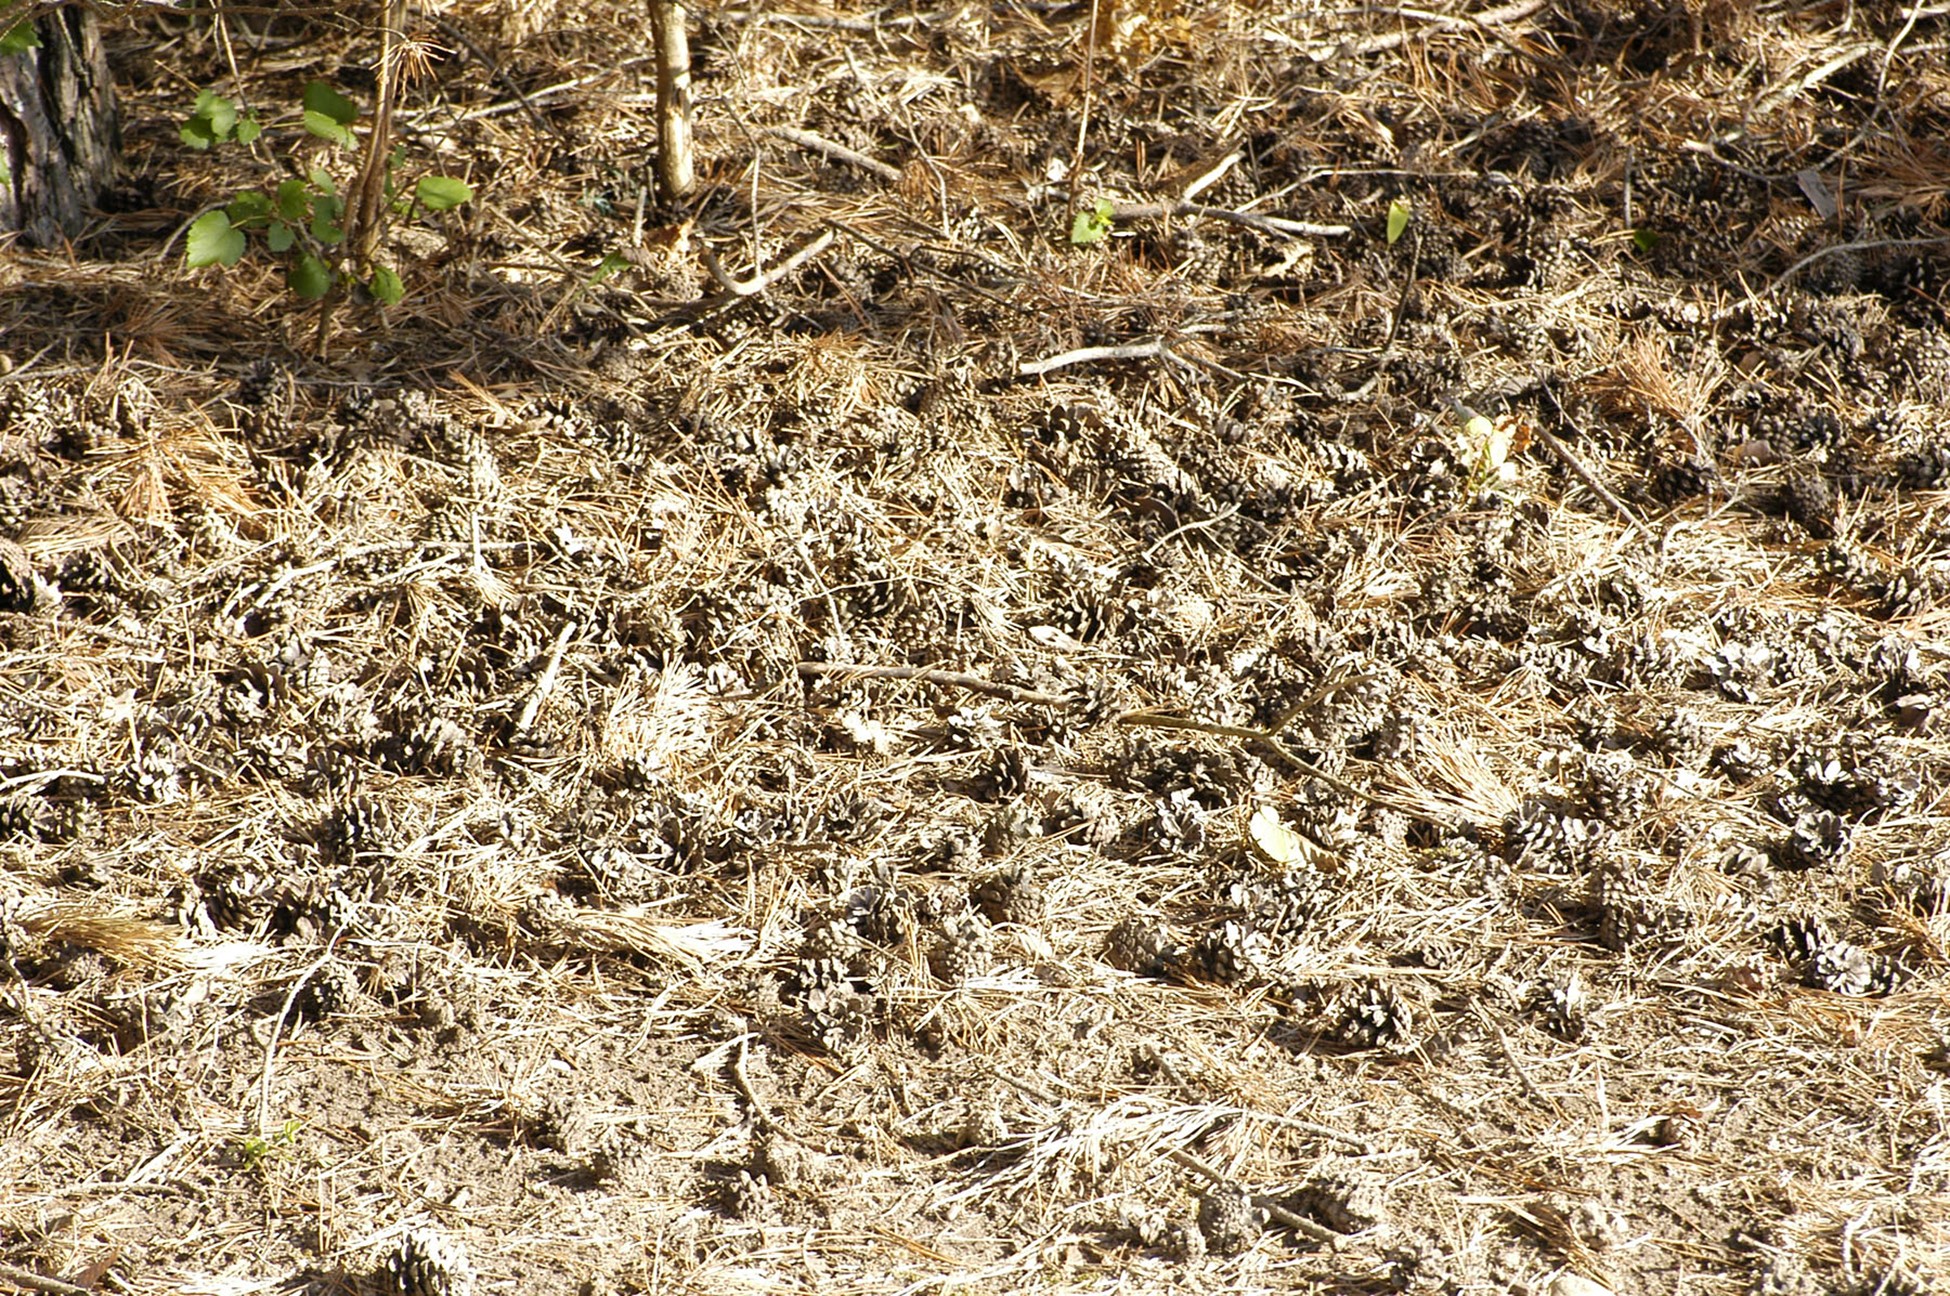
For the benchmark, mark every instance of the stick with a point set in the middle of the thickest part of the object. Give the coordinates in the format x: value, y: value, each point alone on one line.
x: 546, y: 683
x: 946, y: 679
x: 1274, y: 1211
x: 1251, y: 220
x: 838, y: 152
x: 1437, y: 23
x: 1087, y: 355
x: 1584, y: 474
x: 676, y: 169
x: 37, y: 1282
x: 1153, y: 720
x: 760, y: 282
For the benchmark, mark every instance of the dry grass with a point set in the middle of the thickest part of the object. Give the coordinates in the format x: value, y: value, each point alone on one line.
x: 415, y: 748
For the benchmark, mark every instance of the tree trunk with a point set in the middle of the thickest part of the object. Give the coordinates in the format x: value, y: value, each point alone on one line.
x: 676, y: 173
x: 59, y: 135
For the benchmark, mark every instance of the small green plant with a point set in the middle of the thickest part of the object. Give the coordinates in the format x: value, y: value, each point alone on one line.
x: 304, y: 219
x: 1092, y: 224
x: 1398, y: 214
x: 256, y: 1149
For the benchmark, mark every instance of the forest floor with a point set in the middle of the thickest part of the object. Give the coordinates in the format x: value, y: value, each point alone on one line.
x: 1277, y: 648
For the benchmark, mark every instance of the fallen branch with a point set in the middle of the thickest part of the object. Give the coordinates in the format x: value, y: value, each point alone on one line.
x: 546, y: 684
x: 1251, y: 220
x: 946, y: 679
x: 805, y: 139
x: 760, y: 282
x: 1274, y: 1211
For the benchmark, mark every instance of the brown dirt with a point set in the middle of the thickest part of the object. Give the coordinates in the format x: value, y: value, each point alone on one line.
x: 443, y: 842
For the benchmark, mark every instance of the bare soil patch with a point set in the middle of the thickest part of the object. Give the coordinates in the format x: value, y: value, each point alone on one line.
x: 993, y: 764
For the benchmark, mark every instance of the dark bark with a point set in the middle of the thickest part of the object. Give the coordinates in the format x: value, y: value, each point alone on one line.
x: 59, y: 134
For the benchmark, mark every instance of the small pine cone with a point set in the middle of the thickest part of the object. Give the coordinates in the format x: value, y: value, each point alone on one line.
x: 1919, y: 885
x: 1809, y: 498
x: 22, y: 816
x: 1907, y: 593
x: 748, y: 1196
x: 1231, y: 953
x: 1679, y: 737
x: 1009, y: 827
x: 1006, y: 775
x: 1616, y: 792
x: 1228, y: 1219
x: 360, y: 825
x: 1343, y: 1198
x: 962, y: 949
x: 1282, y: 911
x: 76, y: 819
x: 1845, y: 565
x: 1009, y: 895
x: 1138, y: 945
x: 1925, y: 468
x: 1629, y: 910
x: 424, y: 1263
x: 956, y: 851
x: 332, y: 990
x: 1818, y: 838
x: 1562, y: 1004
x: 1375, y: 1017
x: 1846, y: 968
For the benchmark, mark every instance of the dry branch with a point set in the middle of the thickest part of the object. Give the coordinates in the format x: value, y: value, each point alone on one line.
x: 676, y: 167
x: 1276, y: 225
x: 838, y: 152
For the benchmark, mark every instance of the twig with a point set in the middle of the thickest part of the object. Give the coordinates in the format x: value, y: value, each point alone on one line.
x: 1584, y: 474
x: 1274, y: 1211
x: 946, y: 679
x: 546, y: 684
x: 1156, y: 720
x: 758, y: 283
x: 1815, y: 256
x: 838, y: 152
x: 277, y: 1028
x: 1154, y: 349
x: 1251, y: 220
x: 455, y: 33
x: 38, y: 1282
x: 1510, y: 1056
x: 1437, y: 23
x: 761, y: 1119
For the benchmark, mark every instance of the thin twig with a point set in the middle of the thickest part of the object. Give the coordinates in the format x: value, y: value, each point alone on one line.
x: 277, y: 1028
x: 546, y: 684
x: 1274, y: 1211
x: 838, y: 152
x: 1438, y: 23
x: 494, y: 70
x: 1154, y: 349
x: 758, y: 283
x: 945, y: 679
x: 1251, y: 220
x: 1157, y: 720
x: 1815, y: 256
x: 39, y: 1282
x: 761, y: 1119
x: 1584, y: 474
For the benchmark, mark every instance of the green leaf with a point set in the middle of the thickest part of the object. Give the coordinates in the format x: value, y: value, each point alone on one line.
x: 325, y: 231
x: 329, y: 104
x: 1644, y: 239
x: 309, y: 277
x: 442, y: 193
x: 293, y: 201
x: 610, y: 264
x: 212, y: 241
x: 321, y: 180
x: 1090, y: 226
x: 327, y: 129
x: 248, y: 130
x: 280, y: 237
x: 248, y: 208
x: 1398, y: 213
x: 218, y: 111
x: 196, y: 133
x: 386, y: 286
x: 19, y: 38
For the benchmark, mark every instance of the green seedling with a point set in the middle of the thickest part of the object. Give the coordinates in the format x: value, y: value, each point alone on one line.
x: 254, y: 1150
x: 1398, y: 214
x: 303, y: 219
x: 1092, y: 224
